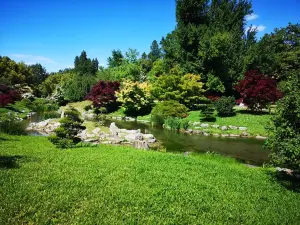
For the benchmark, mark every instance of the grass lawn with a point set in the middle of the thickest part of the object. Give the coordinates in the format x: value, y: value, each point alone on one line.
x: 119, y: 185
x: 255, y: 123
x: 78, y: 105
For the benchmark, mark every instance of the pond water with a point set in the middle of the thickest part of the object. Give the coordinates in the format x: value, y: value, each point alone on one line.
x: 247, y: 150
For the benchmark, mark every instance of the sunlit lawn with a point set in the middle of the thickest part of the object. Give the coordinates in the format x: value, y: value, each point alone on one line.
x: 119, y: 185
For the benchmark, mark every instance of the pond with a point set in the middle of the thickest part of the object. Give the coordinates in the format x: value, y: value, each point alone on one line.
x: 247, y: 150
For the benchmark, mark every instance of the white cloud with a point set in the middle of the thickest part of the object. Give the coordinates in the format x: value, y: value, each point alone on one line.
x: 33, y: 58
x: 252, y: 16
x: 259, y: 28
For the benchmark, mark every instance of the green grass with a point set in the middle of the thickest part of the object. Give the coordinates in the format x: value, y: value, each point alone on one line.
x: 90, y: 126
x: 119, y: 185
x: 78, y: 105
x: 255, y: 123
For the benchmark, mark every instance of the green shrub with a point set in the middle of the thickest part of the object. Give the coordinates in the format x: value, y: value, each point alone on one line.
x: 43, y: 105
x: 284, y: 129
x: 87, y: 107
x: 173, y: 123
x: 166, y: 109
x: 224, y: 106
x: 10, y: 123
x: 66, y: 135
x: 207, y: 113
x: 185, y: 124
x: 157, y: 119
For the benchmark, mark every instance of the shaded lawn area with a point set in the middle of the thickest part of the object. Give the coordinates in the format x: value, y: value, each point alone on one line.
x: 121, y: 185
x: 255, y: 123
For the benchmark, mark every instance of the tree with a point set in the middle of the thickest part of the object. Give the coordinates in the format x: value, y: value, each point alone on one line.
x: 187, y: 89
x: 132, y: 55
x: 284, y: 129
x: 136, y: 98
x: 39, y: 73
x: 258, y: 90
x: 103, y: 94
x: 84, y: 65
x: 66, y: 135
x: 155, y: 52
x: 116, y: 59
x: 8, y: 95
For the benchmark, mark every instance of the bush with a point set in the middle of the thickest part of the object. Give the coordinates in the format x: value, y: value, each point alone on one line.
x: 8, y: 95
x: 207, y: 113
x: 257, y: 90
x: 136, y: 98
x: 224, y: 106
x: 166, y: 109
x: 185, y: 124
x: 66, y: 135
x: 103, y: 94
x: 43, y: 105
x: 173, y: 123
x: 11, y: 124
x: 284, y: 129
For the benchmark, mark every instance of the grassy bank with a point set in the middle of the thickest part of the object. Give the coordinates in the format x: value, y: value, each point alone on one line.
x: 119, y: 185
x: 255, y: 123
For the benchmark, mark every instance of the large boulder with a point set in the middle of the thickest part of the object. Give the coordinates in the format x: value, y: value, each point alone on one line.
x: 134, y: 137
x: 114, y: 130
x: 141, y: 145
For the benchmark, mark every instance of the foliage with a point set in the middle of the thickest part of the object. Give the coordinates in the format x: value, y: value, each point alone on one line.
x: 103, y: 94
x: 155, y: 51
x: 224, y: 106
x: 66, y: 135
x: 116, y: 59
x: 8, y: 95
x: 173, y: 123
x: 136, y: 98
x: 185, y: 124
x: 207, y: 113
x: 11, y: 123
x: 166, y: 109
x: 84, y: 65
x: 48, y: 179
x: 284, y: 129
x: 78, y: 87
x: 42, y: 105
x: 13, y: 73
x: 187, y: 89
x: 257, y: 90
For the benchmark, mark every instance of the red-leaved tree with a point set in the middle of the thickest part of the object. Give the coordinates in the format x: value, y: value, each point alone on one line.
x: 8, y: 95
x: 103, y: 94
x: 258, y: 90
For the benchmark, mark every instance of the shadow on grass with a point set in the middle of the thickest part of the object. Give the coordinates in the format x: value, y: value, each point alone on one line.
x: 10, y: 162
x: 8, y: 139
x: 245, y: 111
x: 290, y: 182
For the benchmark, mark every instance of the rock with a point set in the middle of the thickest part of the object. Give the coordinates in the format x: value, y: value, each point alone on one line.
x: 189, y: 131
x: 243, y: 128
x: 288, y: 171
x: 224, y: 128
x: 234, y: 135
x: 151, y: 140
x: 206, y: 134
x: 204, y: 125
x: 198, y: 127
x: 260, y: 137
x: 113, y: 129
x: 233, y: 127
x: 215, y: 126
x: 82, y: 134
x: 196, y: 123
x: 244, y: 134
x: 90, y: 135
x: 224, y: 135
x: 133, y: 131
x: 216, y: 135
x: 197, y: 132
x: 91, y: 140
x: 133, y: 137
x: 148, y: 136
x: 42, y: 124
x: 96, y: 131
x: 141, y: 145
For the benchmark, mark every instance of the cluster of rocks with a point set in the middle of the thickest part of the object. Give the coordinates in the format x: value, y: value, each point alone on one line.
x: 118, y: 136
x: 199, y: 125
x: 44, y: 127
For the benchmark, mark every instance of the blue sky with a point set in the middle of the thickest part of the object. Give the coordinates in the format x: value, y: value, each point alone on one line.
x: 54, y: 32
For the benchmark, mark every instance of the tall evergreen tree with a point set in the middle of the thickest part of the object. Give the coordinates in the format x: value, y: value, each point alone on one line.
x: 155, y: 51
